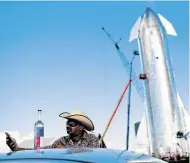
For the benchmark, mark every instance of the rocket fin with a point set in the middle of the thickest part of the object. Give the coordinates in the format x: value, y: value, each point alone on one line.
x: 142, y: 143
x: 167, y: 25
x: 134, y: 30
x: 184, y: 114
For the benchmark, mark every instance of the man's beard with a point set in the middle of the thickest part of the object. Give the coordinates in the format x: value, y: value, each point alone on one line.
x: 73, y: 135
x: 69, y: 130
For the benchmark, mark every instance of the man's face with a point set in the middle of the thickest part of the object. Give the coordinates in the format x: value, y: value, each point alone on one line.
x: 73, y: 127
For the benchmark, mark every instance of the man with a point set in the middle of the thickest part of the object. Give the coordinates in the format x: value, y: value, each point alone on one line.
x: 76, y: 126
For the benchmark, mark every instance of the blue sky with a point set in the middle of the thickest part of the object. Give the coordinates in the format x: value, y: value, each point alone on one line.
x: 55, y: 57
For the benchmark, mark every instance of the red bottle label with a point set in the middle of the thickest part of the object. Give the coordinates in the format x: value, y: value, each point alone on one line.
x: 38, y: 141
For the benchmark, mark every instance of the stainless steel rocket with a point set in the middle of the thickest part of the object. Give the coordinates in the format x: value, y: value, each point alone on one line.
x: 162, y: 109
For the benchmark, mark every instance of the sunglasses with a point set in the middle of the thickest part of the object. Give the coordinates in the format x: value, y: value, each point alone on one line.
x: 72, y: 123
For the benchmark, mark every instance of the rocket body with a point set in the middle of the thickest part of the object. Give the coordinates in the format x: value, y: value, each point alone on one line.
x: 161, y: 104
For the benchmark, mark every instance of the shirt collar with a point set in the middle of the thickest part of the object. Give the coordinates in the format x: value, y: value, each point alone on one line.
x: 85, y: 135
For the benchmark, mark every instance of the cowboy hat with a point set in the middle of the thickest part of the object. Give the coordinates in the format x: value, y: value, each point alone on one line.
x: 80, y: 117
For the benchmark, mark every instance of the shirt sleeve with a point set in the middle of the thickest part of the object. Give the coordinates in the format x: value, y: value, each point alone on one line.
x: 57, y: 144
x: 93, y: 141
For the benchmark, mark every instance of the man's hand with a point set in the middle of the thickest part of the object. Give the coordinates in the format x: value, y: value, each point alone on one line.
x: 11, y: 142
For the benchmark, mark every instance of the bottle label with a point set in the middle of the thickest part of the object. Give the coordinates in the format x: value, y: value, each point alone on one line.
x: 38, y: 141
x: 40, y: 131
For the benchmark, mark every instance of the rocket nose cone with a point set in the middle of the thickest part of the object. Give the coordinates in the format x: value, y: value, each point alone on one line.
x: 149, y: 13
x: 148, y: 10
x: 149, y: 18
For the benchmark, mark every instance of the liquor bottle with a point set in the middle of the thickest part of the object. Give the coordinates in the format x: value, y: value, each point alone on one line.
x: 38, y: 132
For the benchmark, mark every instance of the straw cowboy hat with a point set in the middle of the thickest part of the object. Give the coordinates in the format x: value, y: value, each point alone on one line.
x: 80, y: 117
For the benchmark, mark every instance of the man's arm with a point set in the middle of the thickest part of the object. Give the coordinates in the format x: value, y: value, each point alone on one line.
x: 54, y: 145
x: 57, y: 144
x: 11, y: 142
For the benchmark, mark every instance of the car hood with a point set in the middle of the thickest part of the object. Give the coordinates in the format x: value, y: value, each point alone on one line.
x: 80, y: 154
